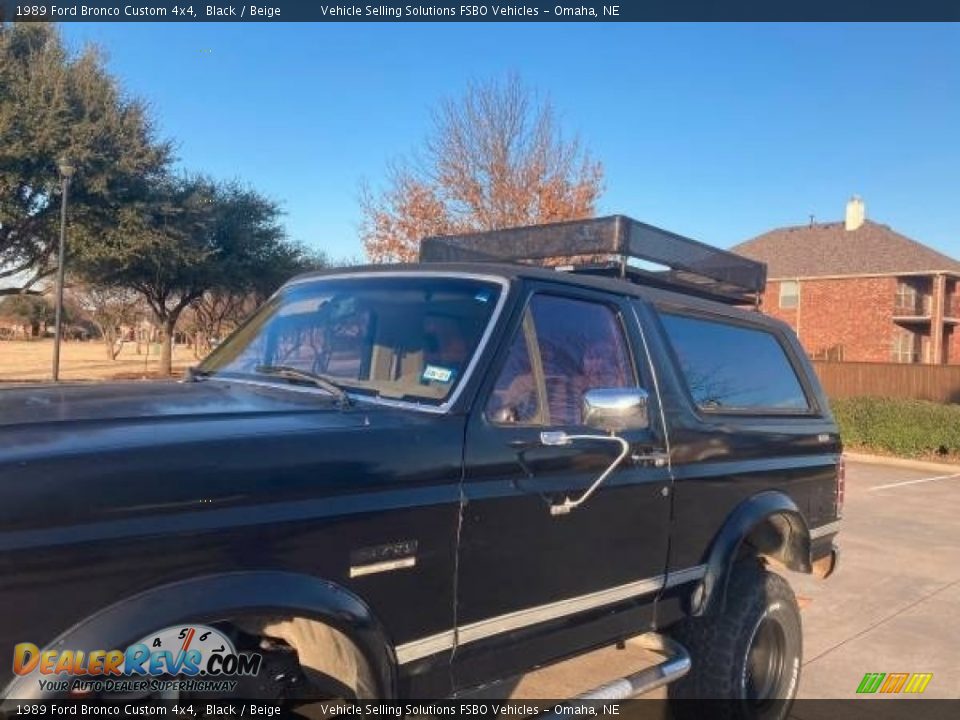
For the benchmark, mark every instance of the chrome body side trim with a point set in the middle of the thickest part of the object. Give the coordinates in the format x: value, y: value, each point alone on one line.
x: 828, y: 529
x: 541, y: 613
x: 680, y: 577
x: 424, y: 647
x: 551, y: 611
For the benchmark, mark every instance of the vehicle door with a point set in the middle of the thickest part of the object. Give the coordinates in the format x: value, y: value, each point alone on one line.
x: 534, y: 584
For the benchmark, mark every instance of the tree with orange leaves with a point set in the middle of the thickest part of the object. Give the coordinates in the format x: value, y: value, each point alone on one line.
x: 496, y: 158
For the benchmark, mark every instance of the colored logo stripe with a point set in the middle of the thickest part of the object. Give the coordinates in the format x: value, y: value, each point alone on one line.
x: 894, y: 683
x: 918, y: 682
x: 871, y: 682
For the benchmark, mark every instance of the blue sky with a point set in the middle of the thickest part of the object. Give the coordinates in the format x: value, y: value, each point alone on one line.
x: 719, y: 132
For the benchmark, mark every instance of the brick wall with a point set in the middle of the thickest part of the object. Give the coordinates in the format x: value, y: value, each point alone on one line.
x: 855, y: 313
x: 951, y: 337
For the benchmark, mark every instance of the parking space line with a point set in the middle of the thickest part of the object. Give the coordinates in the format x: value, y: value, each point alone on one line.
x: 914, y: 482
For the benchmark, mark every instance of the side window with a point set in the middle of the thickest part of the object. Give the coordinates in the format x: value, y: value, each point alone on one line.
x: 731, y: 367
x: 516, y: 399
x: 567, y: 347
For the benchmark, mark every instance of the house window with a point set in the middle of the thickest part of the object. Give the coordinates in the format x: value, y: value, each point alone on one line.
x: 911, y: 299
x: 906, y: 346
x: 789, y: 294
x: 833, y: 353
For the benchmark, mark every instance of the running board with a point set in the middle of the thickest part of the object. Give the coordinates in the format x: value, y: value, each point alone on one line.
x: 673, y: 668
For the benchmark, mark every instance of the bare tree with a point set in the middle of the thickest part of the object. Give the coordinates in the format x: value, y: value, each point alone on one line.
x: 110, y: 309
x: 496, y: 158
x: 217, y: 314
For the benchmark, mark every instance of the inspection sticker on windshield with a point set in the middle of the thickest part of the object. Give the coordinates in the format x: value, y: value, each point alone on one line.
x: 435, y: 372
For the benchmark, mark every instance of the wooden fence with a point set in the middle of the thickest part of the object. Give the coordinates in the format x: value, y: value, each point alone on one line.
x: 939, y: 383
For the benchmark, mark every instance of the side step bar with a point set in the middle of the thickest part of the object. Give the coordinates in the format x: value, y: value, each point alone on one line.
x: 673, y: 668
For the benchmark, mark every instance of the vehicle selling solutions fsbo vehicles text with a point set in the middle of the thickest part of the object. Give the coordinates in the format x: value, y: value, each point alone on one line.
x: 397, y: 11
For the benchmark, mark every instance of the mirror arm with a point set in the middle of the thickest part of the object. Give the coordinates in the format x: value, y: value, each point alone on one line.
x: 556, y: 438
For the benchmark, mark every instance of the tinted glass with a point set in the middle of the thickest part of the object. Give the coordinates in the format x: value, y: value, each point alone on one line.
x: 734, y: 367
x: 401, y: 338
x: 515, y: 399
x: 581, y: 346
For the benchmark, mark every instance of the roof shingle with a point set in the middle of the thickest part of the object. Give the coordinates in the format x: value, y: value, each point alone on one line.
x: 828, y: 249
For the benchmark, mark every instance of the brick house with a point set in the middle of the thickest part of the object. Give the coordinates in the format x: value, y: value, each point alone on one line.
x: 859, y: 291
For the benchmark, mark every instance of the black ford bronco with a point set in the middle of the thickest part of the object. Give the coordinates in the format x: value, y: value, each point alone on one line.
x: 413, y: 481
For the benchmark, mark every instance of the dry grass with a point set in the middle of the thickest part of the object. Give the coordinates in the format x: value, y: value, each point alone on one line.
x: 22, y: 361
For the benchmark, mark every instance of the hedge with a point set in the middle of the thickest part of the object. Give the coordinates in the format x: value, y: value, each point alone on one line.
x: 909, y: 428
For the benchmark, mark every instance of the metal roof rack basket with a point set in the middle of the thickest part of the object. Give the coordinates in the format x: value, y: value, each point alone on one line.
x: 605, y: 246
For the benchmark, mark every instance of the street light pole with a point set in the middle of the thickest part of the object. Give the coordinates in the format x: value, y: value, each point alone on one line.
x: 66, y: 172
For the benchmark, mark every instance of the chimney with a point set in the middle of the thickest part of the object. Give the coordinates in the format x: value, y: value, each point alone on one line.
x: 856, y: 213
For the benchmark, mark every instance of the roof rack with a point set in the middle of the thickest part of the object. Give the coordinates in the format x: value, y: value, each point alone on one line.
x: 605, y: 246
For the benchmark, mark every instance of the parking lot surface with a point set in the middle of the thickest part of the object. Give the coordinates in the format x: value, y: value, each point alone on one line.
x: 893, y: 605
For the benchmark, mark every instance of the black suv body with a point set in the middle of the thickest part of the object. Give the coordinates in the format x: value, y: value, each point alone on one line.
x: 419, y: 517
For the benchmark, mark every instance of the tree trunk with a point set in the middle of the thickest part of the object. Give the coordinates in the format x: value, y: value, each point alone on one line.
x: 116, y: 346
x: 166, y: 349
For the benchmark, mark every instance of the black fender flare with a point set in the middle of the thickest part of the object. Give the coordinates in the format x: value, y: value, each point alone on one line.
x: 746, y: 517
x: 212, y: 597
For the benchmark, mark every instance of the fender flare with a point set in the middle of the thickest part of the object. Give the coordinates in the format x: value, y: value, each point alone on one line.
x: 212, y: 597
x: 746, y: 517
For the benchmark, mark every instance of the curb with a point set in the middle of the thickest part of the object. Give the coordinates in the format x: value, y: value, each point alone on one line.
x: 902, y: 462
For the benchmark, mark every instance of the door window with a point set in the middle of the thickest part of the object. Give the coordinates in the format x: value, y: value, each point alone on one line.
x: 564, y: 348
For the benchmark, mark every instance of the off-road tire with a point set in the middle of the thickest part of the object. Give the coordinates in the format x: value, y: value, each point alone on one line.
x: 746, y: 655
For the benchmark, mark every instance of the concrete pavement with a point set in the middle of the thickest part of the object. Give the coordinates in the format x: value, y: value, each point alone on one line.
x: 894, y: 605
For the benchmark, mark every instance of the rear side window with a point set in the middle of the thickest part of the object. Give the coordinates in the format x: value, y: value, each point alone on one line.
x: 731, y: 367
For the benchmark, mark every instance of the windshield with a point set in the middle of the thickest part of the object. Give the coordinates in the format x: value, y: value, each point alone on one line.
x: 409, y: 338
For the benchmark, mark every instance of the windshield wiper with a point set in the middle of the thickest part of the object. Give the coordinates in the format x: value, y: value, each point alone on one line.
x: 195, y: 374
x: 291, y: 373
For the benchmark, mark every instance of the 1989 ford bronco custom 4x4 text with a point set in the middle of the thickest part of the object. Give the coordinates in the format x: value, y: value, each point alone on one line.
x: 411, y: 481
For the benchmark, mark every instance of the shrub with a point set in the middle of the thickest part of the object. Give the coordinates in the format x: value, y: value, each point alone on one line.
x: 911, y: 428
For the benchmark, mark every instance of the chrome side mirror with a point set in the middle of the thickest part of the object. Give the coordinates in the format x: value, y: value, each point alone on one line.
x: 616, y: 409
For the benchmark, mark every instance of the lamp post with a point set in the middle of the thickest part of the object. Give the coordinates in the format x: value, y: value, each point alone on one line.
x: 66, y: 172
